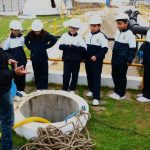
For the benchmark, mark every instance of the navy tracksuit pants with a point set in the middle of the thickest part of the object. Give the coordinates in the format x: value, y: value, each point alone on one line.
x: 40, y: 69
x: 119, y: 71
x: 93, y: 70
x: 146, y: 89
x: 71, y: 71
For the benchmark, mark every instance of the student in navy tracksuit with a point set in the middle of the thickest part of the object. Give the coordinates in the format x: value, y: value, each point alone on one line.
x: 123, y: 54
x: 38, y: 40
x: 6, y: 102
x: 14, y: 46
x: 74, y: 48
x: 97, y: 47
x: 145, y: 97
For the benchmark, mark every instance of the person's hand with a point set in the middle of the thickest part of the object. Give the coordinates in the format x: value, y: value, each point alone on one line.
x: 93, y: 58
x: 12, y: 62
x: 20, y: 71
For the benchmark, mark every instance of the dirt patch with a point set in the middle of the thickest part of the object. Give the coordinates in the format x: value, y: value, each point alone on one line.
x: 87, y: 5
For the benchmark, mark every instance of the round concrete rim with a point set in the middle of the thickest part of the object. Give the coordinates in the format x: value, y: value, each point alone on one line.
x: 29, y: 130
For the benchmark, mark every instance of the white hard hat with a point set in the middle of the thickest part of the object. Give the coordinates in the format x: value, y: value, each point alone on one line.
x: 15, y: 25
x: 74, y: 23
x: 95, y: 20
x: 37, y: 25
x: 122, y: 17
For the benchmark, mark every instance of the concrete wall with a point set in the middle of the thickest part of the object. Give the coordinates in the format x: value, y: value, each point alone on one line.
x: 49, y: 106
x: 56, y: 77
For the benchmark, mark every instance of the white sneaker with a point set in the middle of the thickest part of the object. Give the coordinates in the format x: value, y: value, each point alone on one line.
x: 89, y: 94
x: 95, y: 102
x: 72, y: 92
x: 113, y: 95
x: 121, y: 98
x: 118, y: 97
x: 139, y: 95
x: 143, y: 99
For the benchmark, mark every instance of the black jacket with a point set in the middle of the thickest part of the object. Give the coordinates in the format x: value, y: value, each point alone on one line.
x: 39, y: 44
x: 122, y: 53
x: 73, y: 53
x: 94, y: 50
x: 6, y: 75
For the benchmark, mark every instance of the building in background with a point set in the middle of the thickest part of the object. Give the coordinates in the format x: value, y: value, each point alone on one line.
x: 44, y: 7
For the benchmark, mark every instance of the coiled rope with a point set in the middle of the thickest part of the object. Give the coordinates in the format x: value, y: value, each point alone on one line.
x: 52, y: 138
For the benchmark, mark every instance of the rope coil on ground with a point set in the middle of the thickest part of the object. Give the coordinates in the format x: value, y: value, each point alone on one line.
x: 52, y: 138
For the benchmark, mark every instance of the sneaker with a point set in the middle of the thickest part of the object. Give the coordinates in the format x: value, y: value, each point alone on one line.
x: 143, y: 99
x: 89, y: 94
x: 72, y: 92
x: 121, y: 98
x: 118, y: 97
x: 139, y: 95
x: 113, y: 95
x: 95, y: 102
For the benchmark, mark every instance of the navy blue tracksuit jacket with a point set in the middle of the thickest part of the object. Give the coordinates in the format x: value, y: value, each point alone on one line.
x: 38, y: 44
x: 14, y: 47
x: 74, y: 48
x: 97, y: 45
x: 123, y: 53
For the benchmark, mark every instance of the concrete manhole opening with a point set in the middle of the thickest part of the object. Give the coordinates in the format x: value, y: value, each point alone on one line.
x: 54, y: 108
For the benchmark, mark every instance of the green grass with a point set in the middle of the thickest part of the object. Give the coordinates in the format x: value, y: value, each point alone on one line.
x: 4, y: 24
x: 124, y: 125
x: 106, y: 128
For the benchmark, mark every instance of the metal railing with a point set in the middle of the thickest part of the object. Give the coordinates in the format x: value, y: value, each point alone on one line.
x: 105, y: 62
